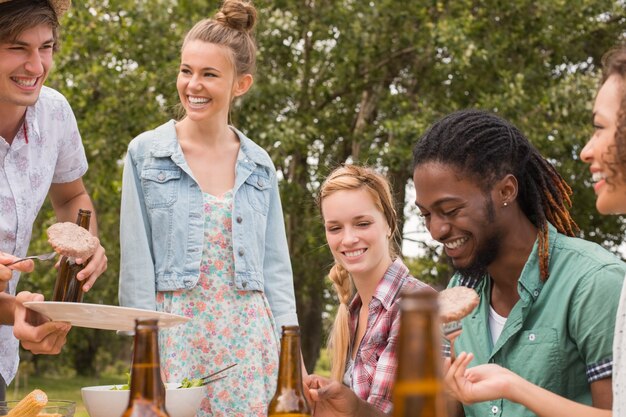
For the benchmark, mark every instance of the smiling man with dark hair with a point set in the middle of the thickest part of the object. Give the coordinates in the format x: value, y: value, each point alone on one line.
x: 501, y: 211
x: 42, y: 155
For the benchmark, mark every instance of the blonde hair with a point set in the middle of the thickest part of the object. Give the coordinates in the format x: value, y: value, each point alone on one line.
x: 232, y: 27
x: 353, y: 177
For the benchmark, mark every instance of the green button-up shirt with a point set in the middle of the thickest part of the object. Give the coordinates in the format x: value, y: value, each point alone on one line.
x: 559, y: 335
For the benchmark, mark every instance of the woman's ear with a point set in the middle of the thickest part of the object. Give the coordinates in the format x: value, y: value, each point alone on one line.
x: 242, y: 85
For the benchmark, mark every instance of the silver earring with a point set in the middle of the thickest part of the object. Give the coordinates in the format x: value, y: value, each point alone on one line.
x: 506, y: 204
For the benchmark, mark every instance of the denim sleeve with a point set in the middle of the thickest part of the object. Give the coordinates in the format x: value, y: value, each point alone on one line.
x: 277, y: 273
x: 137, y: 280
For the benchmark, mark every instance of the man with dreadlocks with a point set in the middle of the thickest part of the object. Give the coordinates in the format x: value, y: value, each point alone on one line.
x: 548, y: 299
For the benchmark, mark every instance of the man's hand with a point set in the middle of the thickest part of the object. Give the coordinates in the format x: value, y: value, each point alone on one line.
x: 37, y: 333
x: 7, y: 271
x: 480, y: 383
x: 95, y: 266
x: 67, y: 198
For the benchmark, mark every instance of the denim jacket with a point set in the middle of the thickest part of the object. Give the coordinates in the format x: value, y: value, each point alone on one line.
x: 162, y: 225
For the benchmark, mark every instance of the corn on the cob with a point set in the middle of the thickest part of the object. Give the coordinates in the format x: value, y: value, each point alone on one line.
x: 30, y: 405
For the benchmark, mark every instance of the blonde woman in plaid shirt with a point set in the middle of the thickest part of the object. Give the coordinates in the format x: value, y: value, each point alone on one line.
x: 360, y: 222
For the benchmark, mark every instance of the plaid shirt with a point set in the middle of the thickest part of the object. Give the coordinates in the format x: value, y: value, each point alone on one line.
x: 375, y: 363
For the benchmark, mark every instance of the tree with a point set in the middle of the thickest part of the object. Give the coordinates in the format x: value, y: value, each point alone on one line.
x: 339, y: 81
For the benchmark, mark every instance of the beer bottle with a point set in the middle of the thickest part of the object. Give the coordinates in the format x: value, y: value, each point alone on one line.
x: 289, y: 399
x: 147, y: 391
x: 67, y: 287
x: 418, y: 389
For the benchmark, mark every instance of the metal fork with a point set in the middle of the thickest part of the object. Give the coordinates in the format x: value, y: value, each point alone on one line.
x: 42, y: 257
x: 451, y: 331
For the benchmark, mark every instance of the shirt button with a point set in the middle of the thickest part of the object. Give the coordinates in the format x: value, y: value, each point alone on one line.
x: 260, y: 182
x: 531, y: 337
x: 494, y: 409
x: 239, y: 219
x: 240, y: 252
x: 245, y: 284
x: 536, y: 293
x: 161, y: 176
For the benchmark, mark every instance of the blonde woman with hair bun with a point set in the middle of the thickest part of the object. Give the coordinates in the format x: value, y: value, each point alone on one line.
x: 202, y: 229
x: 360, y: 222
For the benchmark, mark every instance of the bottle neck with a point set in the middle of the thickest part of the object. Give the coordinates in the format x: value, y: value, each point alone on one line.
x: 84, y: 218
x: 419, y: 346
x: 290, y: 370
x: 145, y: 377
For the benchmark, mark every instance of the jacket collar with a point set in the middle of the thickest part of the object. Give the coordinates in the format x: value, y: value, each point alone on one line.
x: 168, y: 146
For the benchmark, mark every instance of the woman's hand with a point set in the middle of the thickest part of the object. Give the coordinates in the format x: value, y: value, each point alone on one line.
x: 333, y: 399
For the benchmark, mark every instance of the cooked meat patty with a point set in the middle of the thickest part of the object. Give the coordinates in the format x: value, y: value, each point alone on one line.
x: 456, y: 303
x: 69, y: 239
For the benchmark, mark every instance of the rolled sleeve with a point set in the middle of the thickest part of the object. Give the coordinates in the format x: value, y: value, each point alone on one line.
x: 592, y: 327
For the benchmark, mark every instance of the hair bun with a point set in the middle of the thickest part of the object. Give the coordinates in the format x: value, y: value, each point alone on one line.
x: 237, y: 14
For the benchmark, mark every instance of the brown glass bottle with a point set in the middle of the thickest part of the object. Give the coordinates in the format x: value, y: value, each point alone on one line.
x: 289, y: 399
x: 418, y: 389
x: 147, y: 391
x: 67, y: 287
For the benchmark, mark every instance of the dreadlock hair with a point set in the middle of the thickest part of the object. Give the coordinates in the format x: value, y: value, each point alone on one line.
x: 485, y: 148
x: 346, y: 178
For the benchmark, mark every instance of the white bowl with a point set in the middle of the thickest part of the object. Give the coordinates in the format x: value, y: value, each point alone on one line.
x: 102, y: 401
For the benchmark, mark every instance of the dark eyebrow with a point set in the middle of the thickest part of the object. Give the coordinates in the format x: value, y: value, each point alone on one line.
x: 440, y: 202
x: 22, y: 43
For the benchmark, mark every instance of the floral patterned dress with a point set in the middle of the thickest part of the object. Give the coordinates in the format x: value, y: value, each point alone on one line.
x: 227, y: 326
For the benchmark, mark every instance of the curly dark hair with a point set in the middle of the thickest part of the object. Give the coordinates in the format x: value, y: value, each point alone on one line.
x: 614, y: 63
x: 485, y: 148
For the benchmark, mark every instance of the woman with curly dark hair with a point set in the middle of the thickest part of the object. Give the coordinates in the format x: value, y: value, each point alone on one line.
x: 605, y: 152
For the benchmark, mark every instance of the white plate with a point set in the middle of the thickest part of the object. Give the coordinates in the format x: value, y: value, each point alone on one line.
x: 101, y: 316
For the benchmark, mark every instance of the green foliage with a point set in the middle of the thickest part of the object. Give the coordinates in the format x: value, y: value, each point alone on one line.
x: 60, y: 388
x: 337, y: 81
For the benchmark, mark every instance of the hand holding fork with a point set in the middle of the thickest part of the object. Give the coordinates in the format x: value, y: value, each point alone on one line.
x: 6, y: 272
x: 42, y: 257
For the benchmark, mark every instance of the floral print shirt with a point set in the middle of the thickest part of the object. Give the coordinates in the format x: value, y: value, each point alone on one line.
x: 47, y: 149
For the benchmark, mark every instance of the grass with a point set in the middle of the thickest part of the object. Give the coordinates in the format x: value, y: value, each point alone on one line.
x: 60, y: 388
x: 68, y: 388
